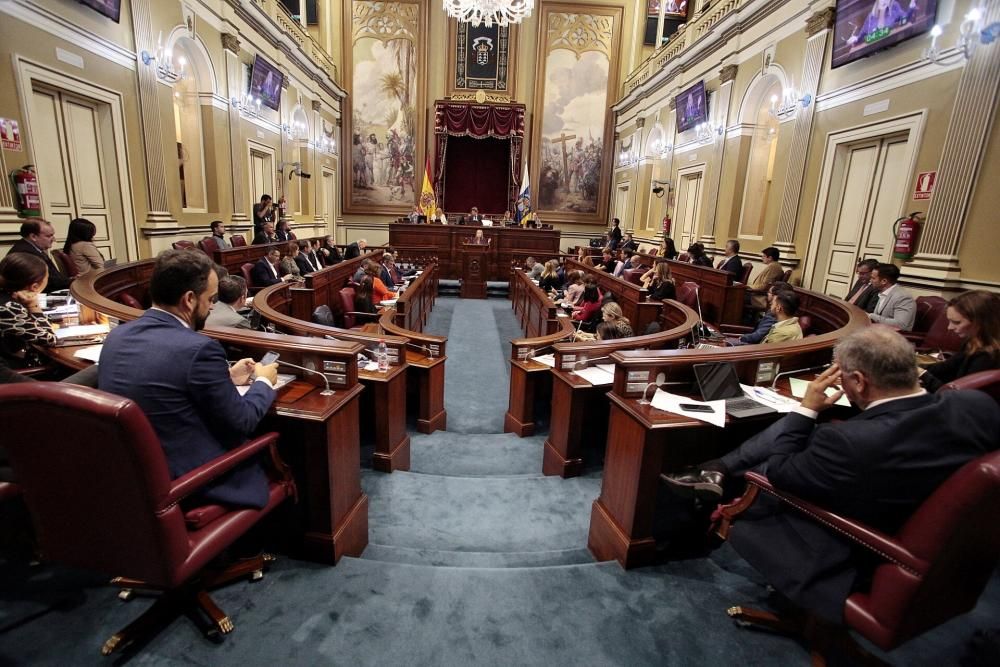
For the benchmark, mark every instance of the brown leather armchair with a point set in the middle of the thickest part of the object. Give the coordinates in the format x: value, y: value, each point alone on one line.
x: 987, y: 382
x: 66, y: 263
x: 238, y: 240
x: 208, y: 245
x: 107, y: 502
x: 353, y: 319
x: 183, y: 245
x: 932, y: 570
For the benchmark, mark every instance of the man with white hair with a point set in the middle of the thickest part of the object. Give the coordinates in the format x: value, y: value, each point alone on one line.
x: 876, y: 467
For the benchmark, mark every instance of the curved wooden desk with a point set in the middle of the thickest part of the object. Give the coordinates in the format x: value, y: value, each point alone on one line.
x: 642, y: 442
x: 320, y: 434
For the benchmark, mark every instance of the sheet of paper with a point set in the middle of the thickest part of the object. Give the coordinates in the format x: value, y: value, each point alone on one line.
x: 81, y: 331
x: 283, y: 379
x: 91, y: 353
x: 799, y: 390
x: 596, y: 375
x: 547, y: 359
x: 770, y: 398
x: 370, y: 366
x: 668, y: 402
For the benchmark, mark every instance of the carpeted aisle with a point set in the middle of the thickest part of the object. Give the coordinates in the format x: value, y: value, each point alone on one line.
x: 474, y: 558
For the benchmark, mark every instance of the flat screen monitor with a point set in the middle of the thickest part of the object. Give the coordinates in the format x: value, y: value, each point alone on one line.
x: 110, y: 8
x: 265, y: 83
x: 864, y: 27
x: 674, y: 9
x: 691, y: 107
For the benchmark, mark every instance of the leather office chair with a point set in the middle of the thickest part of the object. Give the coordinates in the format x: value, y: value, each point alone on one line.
x: 932, y: 570
x: 805, y: 323
x: 108, y: 504
x: 127, y: 299
x: 238, y: 240
x: 634, y: 276
x: 687, y: 294
x: 208, y: 245
x: 653, y: 252
x: 987, y: 382
x: 9, y: 491
x: 930, y: 328
x: 684, y: 257
x: 786, y: 277
x: 747, y: 270
x: 353, y: 319
x: 66, y: 263
x: 183, y: 245
x: 246, y: 270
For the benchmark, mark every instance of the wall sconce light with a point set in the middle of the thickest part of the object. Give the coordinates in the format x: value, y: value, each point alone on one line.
x: 247, y: 105
x: 789, y: 103
x: 708, y: 134
x: 661, y: 147
x: 971, y: 34
x: 163, y: 59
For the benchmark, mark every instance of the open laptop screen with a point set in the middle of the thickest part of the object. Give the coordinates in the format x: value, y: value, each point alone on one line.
x: 717, y: 381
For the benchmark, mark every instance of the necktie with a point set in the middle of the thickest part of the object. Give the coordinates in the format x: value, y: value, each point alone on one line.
x: 857, y: 294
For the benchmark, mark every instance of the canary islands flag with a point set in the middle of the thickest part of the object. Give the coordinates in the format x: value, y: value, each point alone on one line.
x: 522, y: 207
x: 427, y: 203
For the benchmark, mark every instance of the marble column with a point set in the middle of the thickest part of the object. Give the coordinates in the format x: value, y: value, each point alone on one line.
x: 717, y: 155
x: 234, y: 76
x: 965, y: 147
x: 159, y: 214
x: 818, y: 28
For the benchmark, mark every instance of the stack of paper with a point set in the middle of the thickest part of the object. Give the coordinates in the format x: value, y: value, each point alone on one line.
x: 598, y: 375
x: 547, y: 359
x: 770, y: 398
x: 82, y: 331
x: 668, y: 402
x: 92, y: 353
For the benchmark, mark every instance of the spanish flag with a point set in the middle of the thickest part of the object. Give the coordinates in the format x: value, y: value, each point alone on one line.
x: 427, y: 204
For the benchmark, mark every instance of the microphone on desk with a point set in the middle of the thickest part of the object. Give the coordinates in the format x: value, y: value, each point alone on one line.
x: 700, y: 330
x: 774, y: 383
x: 661, y: 379
x: 580, y: 365
x: 326, y: 381
x: 423, y: 348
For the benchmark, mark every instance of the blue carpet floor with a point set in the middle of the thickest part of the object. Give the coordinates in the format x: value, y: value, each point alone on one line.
x: 475, y: 558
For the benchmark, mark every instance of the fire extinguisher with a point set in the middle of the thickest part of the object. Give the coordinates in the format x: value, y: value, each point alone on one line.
x: 905, y: 231
x: 29, y: 202
x: 667, y: 224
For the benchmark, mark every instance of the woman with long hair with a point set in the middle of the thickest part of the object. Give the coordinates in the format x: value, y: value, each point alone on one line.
x: 80, y: 246
x: 380, y: 292
x: 288, y: 265
x: 550, y: 281
x: 329, y: 253
x: 975, y: 317
x: 662, y: 286
x: 574, y: 288
x: 612, y: 314
x: 696, y: 251
x: 363, y: 302
x: 590, y: 302
x: 667, y: 248
x: 23, y: 278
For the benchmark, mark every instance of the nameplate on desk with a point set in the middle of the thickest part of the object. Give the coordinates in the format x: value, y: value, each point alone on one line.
x: 635, y: 387
x: 334, y: 366
x: 336, y: 378
x: 568, y: 362
x: 638, y: 376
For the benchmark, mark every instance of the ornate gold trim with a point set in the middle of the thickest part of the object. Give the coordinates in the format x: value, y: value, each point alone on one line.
x: 820, y: 21
x: 728, y: 73
x: 579, y: 33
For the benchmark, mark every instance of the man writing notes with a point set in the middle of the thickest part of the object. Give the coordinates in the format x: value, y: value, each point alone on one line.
x: 896, y: 307
x: 183, y: 383
x: 876, y: 467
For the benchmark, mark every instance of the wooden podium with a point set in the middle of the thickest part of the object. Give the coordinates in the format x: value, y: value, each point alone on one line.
x: 474, y: 266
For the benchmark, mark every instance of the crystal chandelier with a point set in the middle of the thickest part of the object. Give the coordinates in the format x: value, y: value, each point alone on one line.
x: 488, y: 12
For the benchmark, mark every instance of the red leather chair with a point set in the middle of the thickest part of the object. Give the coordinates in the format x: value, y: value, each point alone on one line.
x: 932, y: 570
x: 208, y: 245
x: 9, y: 491
x: 246, y: 270
x: 786, y: 277
x: 108, y: 504
x: 634, y: 276
x: 653, y: 252
x: 353, y: 318
x: 66, y: 263
x: 183, y: 245
x: 985, y: 381
x: 238, y: 240
x: 687, y: 294
x: 747, y: 270
x: 684, y: 257
x: 805, y: 323
x: 930, y: 328
x: 127, y: 299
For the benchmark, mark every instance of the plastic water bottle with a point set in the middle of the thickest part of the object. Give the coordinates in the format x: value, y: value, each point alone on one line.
x: 382, y: 354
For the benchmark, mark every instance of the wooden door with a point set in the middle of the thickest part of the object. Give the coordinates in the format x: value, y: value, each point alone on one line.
x: 688, y: 210
x: 330, y: 201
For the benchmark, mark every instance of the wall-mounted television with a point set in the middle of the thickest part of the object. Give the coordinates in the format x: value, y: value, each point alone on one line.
x: 265, y: 83
x: 691, y: 107
x: 864, y: 27
x: 673, y: 9
x: 110, y: 8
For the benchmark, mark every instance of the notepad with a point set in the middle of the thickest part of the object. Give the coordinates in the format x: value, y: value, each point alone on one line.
x: 598, y: 375
x: 81, y: 331
x: 91, y: 353
x: 799, y: 390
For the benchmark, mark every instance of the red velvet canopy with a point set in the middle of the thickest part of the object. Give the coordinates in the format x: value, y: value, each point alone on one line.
x: 503, y: 122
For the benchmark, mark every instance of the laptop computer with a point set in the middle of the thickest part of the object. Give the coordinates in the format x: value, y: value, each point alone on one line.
x: 719, y: 382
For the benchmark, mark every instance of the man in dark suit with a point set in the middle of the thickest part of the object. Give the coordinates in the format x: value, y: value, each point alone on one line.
x: 183, y: 383
x: 304, y: 260
x: 265, y: 272
x: 36, y: 239
x: 876, y: 467
x: 615, y: 234
x: 731, y: 260
x: 863, y: 294
x: 266, y: 235
x: 355, y: 249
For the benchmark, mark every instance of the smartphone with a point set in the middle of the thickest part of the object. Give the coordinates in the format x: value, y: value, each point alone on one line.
x: 269, y: 358
x: 691, y: 407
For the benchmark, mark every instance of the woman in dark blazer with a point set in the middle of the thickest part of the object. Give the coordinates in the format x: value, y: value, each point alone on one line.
x: 975, y: 317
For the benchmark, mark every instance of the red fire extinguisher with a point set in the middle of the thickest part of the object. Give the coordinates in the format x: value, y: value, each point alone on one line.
x: 905, y: 231
x: 29, y: 202
x: 667, y: 224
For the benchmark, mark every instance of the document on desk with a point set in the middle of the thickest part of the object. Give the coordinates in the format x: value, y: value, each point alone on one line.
x: 283, y: 379
x: 770, y: 398
x: 547, y: 359
x: 668, y: 402
x: 91, y: 353
x: 799, y: 390
x: 598, y: 375
x: 81, y: 331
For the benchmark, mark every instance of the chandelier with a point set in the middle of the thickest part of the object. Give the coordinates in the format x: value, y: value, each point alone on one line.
x: 488, y: 12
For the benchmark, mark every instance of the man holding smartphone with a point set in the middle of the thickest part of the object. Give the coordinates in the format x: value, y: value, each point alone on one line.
x: 183, y: 382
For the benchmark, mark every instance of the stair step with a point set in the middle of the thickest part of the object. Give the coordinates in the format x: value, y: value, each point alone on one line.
x: 475, y: 455
x: 521, y: 514
x: 477, y: 559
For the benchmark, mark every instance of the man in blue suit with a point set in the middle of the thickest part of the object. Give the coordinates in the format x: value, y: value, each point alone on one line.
x: 182, y: 381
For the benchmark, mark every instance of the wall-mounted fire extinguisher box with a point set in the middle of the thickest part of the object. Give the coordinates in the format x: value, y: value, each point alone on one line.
x: 666, y: 225
x: 29, y: 201
x: 905, y: 231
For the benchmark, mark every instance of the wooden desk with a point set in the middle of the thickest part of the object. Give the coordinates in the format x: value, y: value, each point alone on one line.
x: 506, y: 244
x: 474, y: 267
x: 631, y: 297
x: 721, y: 299
x: 233, y: 258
